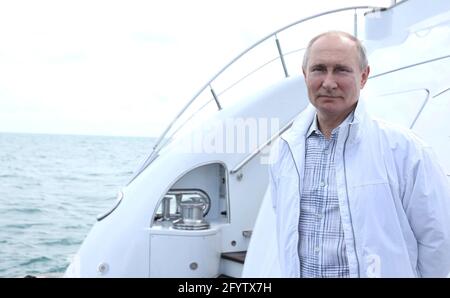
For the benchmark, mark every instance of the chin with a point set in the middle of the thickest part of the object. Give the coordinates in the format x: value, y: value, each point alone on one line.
x: 330, y: 110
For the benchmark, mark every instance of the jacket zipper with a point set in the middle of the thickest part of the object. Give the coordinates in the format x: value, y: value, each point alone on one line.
x: 298, y: 223
x: 348, y: 200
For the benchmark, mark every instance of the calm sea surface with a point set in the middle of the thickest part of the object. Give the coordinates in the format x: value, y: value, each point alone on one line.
x: 51, y: 189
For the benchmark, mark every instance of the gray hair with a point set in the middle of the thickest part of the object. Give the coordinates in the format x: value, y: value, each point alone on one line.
x: 363, y: 62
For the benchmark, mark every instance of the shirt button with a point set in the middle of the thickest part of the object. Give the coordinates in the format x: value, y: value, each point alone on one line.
x: 317, y: 249
x: 319, y: 216
x: 322, y: 184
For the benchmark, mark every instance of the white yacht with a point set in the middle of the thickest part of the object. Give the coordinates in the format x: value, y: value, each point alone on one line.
x: 197, y: 207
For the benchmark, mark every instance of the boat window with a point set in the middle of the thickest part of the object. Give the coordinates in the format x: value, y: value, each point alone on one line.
x: 426, y: 38
x: 400, y: 94
x: 432, y: 126
x: 388, y: 106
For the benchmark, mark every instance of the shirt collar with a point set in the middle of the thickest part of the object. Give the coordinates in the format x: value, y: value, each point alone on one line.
x: 314, y: 127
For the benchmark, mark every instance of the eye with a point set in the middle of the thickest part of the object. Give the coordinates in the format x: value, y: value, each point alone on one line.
x: 343, y: 70
x: 318, y: 69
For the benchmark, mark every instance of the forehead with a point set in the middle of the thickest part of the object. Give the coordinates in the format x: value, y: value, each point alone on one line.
x: 334, y: 49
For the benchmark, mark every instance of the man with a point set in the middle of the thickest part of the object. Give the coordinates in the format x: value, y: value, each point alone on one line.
x: 353, y: 196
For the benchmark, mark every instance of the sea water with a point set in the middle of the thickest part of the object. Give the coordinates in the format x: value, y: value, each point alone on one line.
x: 52, y: 187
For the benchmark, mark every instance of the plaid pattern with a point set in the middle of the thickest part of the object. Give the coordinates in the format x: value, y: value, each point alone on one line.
x: 321, y: 247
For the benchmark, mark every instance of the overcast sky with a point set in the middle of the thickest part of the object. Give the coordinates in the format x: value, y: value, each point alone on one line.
x: 123, y: 67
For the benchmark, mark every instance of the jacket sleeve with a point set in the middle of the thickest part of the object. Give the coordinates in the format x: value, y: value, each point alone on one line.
x: 427, y: 206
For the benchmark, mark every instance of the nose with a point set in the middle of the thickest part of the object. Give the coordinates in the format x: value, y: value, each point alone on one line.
x: 329, y: 83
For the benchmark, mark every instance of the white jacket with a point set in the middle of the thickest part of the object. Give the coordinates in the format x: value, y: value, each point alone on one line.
x: 393, y: 196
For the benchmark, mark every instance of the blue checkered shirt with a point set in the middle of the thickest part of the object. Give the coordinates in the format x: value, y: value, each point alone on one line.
x: 321, y: 247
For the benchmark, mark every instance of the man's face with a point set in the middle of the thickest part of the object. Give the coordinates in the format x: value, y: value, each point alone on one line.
x: 333, y: 76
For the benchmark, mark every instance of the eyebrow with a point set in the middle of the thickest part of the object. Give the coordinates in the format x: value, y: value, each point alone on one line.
x: 336, y: 66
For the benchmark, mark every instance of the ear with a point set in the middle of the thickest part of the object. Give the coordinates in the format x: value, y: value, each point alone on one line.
x: 304, y: 73
x: 364, y: 76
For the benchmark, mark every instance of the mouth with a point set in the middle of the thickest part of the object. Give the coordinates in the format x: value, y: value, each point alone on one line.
x: 328, y: 96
